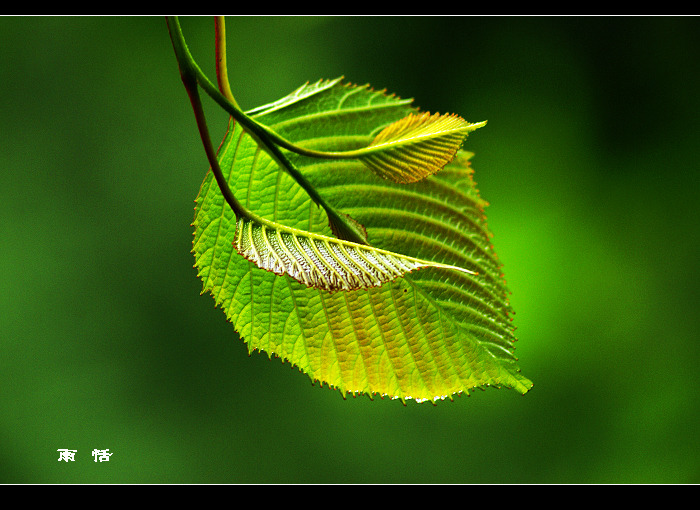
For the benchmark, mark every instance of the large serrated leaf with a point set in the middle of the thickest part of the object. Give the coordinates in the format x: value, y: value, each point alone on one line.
x: 426, y: 335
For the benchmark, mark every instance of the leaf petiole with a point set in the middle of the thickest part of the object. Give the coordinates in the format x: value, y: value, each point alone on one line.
x: 192, y: 75
x: 221, y: 67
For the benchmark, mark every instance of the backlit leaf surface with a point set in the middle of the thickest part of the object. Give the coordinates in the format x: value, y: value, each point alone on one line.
x: 416, y: 146
x: 425, y: 336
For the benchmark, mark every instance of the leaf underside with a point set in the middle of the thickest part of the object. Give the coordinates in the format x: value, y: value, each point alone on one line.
x: 319, y: 261
x: 426, y: 335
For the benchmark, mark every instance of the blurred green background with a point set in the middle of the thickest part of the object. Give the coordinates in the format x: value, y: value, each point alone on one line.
x: 589, y: 162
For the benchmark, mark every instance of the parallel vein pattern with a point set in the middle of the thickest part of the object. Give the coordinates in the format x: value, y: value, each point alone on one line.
x: 428, y: 335
x: 322, y: 262
x: 417, y: 146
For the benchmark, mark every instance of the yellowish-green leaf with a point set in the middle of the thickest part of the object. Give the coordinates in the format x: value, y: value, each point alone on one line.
x: 427, y: 335
x: 416, y: 146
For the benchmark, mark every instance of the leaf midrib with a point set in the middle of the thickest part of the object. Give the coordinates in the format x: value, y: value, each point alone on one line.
x: 317, y: 117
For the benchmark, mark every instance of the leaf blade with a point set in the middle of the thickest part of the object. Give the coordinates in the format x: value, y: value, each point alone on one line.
x: 322, y: 262
x: 416, y: 146
x: 433, y: 333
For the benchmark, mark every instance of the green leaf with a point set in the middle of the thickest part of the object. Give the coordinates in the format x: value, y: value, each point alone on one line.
x: 425, y: 336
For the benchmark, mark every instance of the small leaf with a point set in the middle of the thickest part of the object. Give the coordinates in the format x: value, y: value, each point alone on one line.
x: 319, y: 261
x: 416, y: 146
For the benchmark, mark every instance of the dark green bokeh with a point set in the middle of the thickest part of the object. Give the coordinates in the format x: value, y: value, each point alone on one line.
x: 588, y: 161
